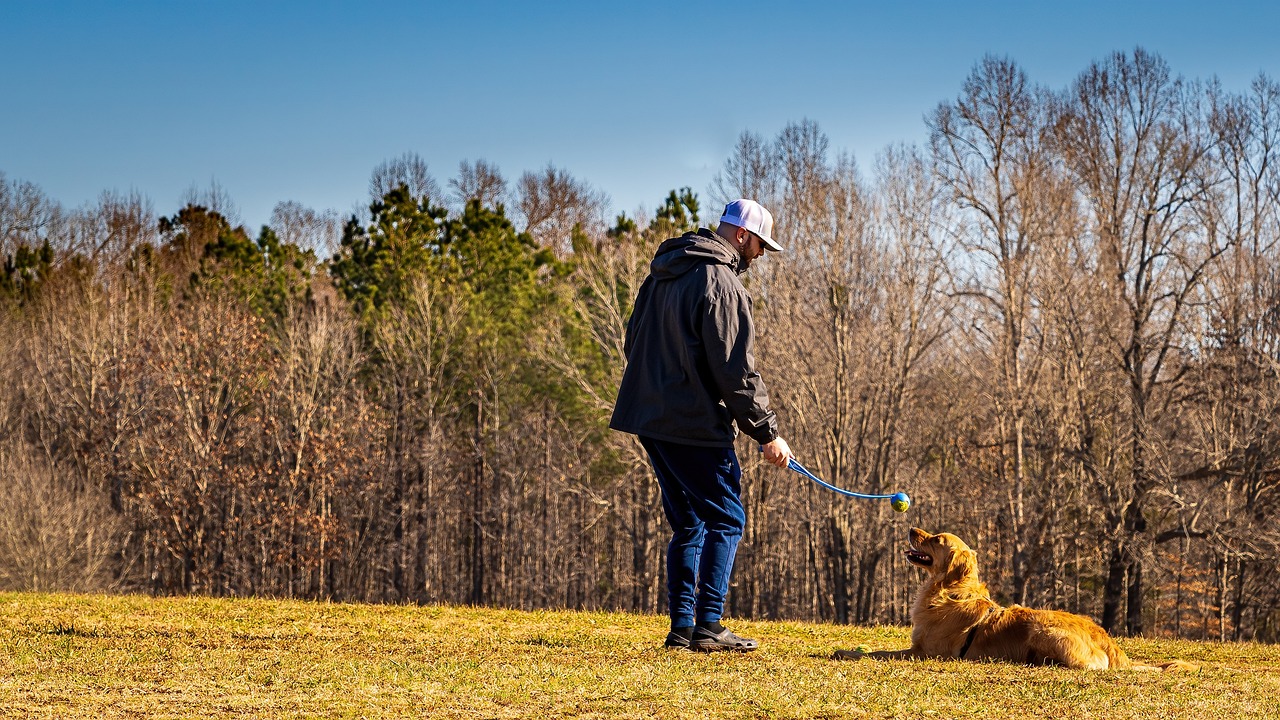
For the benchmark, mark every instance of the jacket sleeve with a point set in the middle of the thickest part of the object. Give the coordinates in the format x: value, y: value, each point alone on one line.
x: 728, y: 336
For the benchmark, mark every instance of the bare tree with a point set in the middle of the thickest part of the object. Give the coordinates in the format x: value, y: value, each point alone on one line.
x: 844, y: 318
x: 27, y: 217
x: 1231, y: 439
x: 552, y: 203
x: 1134, y: 137
x: 420, y: 344
x: 801, y: 150
x: 409, y: 170
x: 479, y: 181
x: 990, y: 153
x: 885, y: 339
x: 191, y: 459
x: 323, y: 424
x: 749, y: 172
x: 108, y: 232
x: 55, y: 533
x: 306, y: 228
x: 216, y: 199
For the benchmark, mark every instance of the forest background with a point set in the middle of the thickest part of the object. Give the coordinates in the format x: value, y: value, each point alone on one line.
x: 1057, y: 326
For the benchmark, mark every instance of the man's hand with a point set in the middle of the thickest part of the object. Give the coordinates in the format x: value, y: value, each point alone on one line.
x: 777, y: 452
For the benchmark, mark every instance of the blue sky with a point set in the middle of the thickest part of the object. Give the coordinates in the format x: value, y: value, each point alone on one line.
x: 301, y: 100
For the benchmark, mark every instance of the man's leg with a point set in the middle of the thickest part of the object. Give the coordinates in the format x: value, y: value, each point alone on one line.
x: 718, y: 502
x: 708, y: 482
x: 685, y: 548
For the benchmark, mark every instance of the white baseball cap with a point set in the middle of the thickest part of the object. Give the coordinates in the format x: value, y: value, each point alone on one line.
x: 752, y: 217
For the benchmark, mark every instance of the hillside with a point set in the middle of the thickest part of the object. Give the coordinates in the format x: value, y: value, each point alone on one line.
x: 111, y: 656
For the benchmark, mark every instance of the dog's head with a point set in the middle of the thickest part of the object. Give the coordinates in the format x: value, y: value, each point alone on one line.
x: 942, y: 556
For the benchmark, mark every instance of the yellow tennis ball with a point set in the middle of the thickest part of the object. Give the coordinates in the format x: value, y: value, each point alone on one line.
x: 901, y: 501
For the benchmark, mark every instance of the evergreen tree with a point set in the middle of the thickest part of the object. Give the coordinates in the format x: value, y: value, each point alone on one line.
x: 267, y: 274
x: 379, y: 264
x: 25, y: 272
x: 679, y: 212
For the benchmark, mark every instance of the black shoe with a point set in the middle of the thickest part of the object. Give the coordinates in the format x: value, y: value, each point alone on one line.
x: 676, y: 641
x: 706, y: 641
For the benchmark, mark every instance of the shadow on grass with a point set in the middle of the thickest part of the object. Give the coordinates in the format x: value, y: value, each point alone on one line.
x: 69, y: 630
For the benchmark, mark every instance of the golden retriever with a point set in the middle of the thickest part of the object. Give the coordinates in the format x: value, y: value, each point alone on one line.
x: 954, y: 617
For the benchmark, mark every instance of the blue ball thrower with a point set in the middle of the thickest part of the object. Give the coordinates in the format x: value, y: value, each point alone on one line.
x: 900, y: 501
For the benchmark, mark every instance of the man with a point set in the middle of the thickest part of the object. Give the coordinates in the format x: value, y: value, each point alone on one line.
x: 690, y: 378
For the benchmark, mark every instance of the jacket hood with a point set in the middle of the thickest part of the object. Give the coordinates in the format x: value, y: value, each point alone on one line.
x: 679, y: 255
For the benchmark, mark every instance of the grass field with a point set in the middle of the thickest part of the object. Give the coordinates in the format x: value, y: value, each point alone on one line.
x: 71, y: 656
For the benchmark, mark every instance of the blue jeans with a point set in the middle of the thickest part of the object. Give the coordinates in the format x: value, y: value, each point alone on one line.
x: 701, y: 496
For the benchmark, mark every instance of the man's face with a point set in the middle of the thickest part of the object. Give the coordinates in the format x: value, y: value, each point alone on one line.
x: 750, y: 247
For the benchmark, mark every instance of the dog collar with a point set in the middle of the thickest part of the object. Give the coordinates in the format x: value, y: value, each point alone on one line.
x: 973, y: 631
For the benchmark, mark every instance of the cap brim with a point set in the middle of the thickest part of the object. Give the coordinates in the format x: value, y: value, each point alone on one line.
x: 769, y: 244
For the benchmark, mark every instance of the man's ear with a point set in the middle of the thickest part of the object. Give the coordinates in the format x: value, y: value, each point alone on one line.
x: 963, y: 564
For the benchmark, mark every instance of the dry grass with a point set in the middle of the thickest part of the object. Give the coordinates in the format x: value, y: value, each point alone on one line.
x: 110, y: 656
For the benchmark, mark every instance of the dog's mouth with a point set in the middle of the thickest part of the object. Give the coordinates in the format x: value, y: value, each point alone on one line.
x: 915, y: 557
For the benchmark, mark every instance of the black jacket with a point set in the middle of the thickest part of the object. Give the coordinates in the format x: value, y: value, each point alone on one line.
x: 690, y: 370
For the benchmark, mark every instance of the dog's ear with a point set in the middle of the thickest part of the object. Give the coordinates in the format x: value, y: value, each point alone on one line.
x: 963, y: 564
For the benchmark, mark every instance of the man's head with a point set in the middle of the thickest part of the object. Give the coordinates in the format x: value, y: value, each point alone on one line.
x: 749, y: 228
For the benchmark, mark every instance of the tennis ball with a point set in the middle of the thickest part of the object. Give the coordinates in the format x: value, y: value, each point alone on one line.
x: 901, y: 501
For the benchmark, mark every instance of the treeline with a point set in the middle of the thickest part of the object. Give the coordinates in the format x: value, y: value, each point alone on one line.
x: 1057, y: 327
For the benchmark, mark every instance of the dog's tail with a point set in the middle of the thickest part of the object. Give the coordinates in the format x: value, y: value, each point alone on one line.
x: 1171, y: 666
